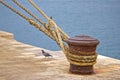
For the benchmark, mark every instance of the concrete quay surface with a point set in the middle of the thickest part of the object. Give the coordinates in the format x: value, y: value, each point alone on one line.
x: 19, y: 61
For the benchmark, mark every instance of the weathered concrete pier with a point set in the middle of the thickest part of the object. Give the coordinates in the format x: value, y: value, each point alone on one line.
x: 19, y: 61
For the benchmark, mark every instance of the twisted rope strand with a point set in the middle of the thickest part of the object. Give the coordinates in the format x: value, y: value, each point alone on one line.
x: 45, y: 16
x: 56, y: 34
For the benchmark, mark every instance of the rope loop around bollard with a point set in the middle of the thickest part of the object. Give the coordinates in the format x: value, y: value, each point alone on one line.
x: 82, y: 60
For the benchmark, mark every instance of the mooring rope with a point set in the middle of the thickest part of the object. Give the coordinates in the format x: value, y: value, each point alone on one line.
x: 54, y: 32
x: 45, y: 16
x: 52, y: 23
x: 32, y: 22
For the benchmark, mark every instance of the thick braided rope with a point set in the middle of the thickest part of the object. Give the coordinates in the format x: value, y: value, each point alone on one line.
x: 32, y: 22
x: 57, y: 35
x: 48, y: 33
x: 58, y: 31
x: 82, y: 60
x: 45, y: 16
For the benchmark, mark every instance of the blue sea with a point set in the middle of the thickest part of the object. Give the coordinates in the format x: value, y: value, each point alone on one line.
x: 96, y: 18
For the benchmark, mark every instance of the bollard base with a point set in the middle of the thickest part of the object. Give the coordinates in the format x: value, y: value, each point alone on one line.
x: 81, y: 69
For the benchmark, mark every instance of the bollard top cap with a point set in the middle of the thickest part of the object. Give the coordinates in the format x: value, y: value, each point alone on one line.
x: 82, y: 40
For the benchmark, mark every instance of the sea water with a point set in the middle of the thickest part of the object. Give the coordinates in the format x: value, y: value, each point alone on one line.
x: 96, y: 18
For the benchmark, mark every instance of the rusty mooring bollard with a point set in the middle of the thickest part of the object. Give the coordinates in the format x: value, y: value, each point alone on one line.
x: 82, y: 54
